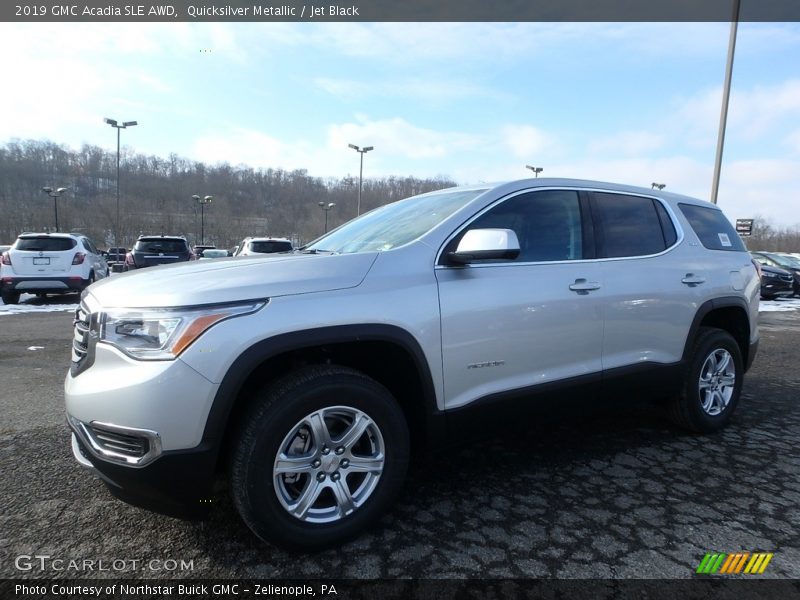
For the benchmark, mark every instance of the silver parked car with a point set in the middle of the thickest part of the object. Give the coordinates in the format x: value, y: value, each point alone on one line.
x: 305, y: 377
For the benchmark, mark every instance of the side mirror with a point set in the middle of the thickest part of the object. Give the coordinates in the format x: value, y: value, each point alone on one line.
x: 485, y: 244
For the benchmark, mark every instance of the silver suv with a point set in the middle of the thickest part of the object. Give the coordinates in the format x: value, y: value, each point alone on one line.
x: 305, y: 378
x: 49, y: 263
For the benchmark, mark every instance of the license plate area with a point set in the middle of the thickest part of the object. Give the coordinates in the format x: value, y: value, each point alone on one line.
x: 41, y: 261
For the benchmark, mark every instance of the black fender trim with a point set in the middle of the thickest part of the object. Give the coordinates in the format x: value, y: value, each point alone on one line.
x: 249, y: 360
x: 714, y: 304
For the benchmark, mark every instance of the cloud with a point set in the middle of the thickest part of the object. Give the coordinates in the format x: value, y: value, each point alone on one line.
x: 627, y: 143
x: 248, y: 147
x: 398, y: 137
x: 526, y: 142
x: 438, y: 91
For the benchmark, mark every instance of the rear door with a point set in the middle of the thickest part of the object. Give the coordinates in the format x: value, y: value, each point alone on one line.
x: 653, y: 284
x: 513, y: 325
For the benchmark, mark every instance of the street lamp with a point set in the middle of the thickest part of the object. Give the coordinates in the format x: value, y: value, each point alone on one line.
x: 203, y: 201
x: 326, y: 208
x: 362, y: 152
x: 659, y: 186
x: 54, y: 194
x: 536, y: 170
x: 114, y: 124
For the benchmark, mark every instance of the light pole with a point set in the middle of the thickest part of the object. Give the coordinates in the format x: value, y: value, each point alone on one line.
x: 114, y: 124
x: 326, y: 208
x: 659, y: 186
x: 726, y: 93
x: 203, y: 201
x: 54, y: 194
x: 536, y: 170
x: 362, y: 152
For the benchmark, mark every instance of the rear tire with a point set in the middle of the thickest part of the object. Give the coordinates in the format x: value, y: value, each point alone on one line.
x: 321, y: 454
x: 10, y: 297
x: 713, y: 383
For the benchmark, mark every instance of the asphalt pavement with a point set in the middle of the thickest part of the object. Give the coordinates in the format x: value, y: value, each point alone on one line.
x: 625, y: 495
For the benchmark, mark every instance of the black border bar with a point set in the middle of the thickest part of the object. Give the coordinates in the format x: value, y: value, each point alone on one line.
x: 697, y: 588
x: 132, y: 11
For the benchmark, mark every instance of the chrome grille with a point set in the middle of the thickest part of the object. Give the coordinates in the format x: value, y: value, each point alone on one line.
x: 82, y: 340
x: 114, y: 441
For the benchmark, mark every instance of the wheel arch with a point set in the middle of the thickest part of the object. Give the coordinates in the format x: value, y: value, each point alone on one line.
x: 386, y: 353
x: 729, y: 314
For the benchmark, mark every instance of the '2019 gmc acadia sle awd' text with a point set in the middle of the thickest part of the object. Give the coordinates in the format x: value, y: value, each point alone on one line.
x: 305, y: 378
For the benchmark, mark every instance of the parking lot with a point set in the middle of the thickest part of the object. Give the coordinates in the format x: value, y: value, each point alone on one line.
x: 617, y: 496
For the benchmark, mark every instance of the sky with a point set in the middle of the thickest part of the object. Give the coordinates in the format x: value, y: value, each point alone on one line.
x: 632, y: 103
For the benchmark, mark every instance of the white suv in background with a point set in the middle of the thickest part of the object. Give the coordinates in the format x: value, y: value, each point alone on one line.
x: 50, y: 263
x: 305, y: 379
x: 254, y: 246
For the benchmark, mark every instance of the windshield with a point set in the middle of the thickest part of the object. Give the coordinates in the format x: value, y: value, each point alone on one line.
x: 394, y: 224
x: 786, y: 261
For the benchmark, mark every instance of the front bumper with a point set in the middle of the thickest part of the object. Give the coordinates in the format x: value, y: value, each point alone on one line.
x: 771, y: 287
x: 178, y: 484
x: 140, y: 427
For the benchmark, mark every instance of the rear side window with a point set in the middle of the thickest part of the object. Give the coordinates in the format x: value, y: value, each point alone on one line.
x: 161, y: 246
x: 45, y: 244
x: 267, y: 247
x: 631, y: 225
x: 713, y: 229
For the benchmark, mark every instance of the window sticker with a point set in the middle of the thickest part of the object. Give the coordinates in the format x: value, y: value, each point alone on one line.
x: 724, y: 240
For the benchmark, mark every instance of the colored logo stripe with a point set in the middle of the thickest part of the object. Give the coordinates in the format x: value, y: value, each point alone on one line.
x: 729, y: 564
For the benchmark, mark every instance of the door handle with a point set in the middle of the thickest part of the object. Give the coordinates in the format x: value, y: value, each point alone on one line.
x: 584, y: 287
x: 692, y: 280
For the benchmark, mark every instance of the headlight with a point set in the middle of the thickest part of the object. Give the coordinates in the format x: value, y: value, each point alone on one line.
x: 769, y: 275
x: 162, y: 334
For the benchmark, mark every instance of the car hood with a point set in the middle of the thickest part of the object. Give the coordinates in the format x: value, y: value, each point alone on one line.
x: 232, y: 279
x: 776, y: 270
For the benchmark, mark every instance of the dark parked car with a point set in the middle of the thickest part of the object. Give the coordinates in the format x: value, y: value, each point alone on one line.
x: 775, y: 282
x: 116, y: 254
x: 782, y: 261
x: 150, y: 250
x: 115, y: 257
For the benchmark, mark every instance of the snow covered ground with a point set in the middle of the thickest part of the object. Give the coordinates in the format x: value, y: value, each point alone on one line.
x: 779, y: 305
x: 29, y: 303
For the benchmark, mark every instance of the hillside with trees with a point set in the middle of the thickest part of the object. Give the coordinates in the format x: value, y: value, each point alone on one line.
x: 156, y: 196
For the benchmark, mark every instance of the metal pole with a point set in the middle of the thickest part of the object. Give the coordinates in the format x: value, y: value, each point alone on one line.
x: 326, y: 220
x: 116, y: 228
x: 202, y: 223
x: 360, y: 179
x: 55, y: 208
x: 726, y: 92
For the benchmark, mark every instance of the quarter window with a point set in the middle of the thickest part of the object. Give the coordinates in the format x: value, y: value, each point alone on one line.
x: 631, y: 226
x: 713, y: 229
x: 547, y: 224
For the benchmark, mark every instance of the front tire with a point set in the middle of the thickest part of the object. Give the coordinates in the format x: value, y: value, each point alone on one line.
x: 713, y: 383
x: 322, y: 453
